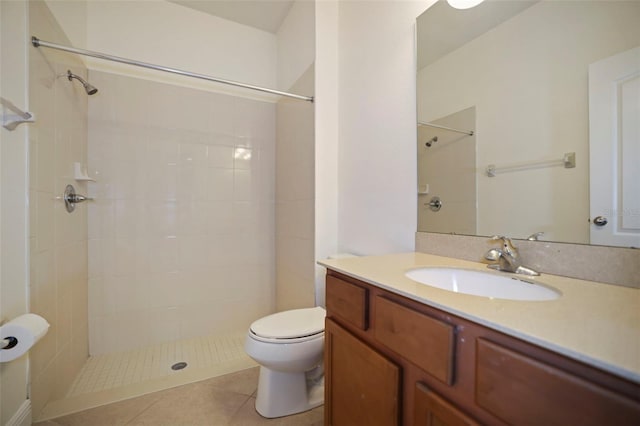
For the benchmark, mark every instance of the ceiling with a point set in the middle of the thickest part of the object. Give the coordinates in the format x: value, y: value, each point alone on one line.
x: 266, y: 15
x: 442, y: 29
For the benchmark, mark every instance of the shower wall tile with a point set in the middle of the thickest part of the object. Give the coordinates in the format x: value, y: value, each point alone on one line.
x: 220, y: 156
x: 95, y: 296
x: 220, y: 184
x: 58, y: 240
x: 193, y: 217
x: 182, y: 230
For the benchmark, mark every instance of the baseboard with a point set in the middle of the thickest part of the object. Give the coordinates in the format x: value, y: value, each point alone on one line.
x: 22, y: 417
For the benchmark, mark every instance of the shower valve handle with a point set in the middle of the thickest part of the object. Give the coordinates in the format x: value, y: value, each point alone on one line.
x: 77, y: 198
x: 71, y: 198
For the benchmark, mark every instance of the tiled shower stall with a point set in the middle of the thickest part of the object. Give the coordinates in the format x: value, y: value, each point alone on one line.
x: 201, y: 221
x: 181, y: 233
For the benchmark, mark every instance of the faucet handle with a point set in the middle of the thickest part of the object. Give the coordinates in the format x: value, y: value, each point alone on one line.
x: 535, y: 236
x: 508, y: 246
x: 505, y: 240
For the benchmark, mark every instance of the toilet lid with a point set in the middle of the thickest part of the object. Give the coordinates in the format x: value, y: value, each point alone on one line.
x: 290, y: 324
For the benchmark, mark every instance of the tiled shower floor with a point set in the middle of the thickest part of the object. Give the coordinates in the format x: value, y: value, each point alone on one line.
x: 113, y: 377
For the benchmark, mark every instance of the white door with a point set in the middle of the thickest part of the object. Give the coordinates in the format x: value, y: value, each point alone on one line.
x: 614, y: 149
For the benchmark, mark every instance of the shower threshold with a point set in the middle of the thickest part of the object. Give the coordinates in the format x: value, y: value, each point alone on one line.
x: 118, y: 376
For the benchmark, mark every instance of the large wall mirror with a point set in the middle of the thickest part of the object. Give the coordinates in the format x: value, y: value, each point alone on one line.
x: 529, y: 120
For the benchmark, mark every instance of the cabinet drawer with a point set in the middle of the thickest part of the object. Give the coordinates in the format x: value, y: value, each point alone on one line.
x: 425, y: 341
x: 521, y: 390
x: 348, y: 302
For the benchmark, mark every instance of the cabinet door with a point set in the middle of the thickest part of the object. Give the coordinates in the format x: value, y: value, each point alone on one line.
x: 432, y: 410
x: 524, y: 391
x: 362, y: 387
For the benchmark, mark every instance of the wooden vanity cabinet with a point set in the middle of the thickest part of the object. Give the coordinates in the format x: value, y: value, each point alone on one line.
x: 426, y: 342
x: 523, y: 390
x: 432, y: 410
x: 390, y: 360
x: 363, y: 385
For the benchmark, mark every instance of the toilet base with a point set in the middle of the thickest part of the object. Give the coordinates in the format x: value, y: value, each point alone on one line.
x: 282, y: 393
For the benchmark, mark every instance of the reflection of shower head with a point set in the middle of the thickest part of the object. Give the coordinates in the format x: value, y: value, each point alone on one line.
x: 91, y: 90
x: 432, y: 141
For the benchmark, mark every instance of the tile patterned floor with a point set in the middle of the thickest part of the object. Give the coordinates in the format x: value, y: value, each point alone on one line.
x: 115, y: 377
x: 103, y: 372
x: 221, y: 401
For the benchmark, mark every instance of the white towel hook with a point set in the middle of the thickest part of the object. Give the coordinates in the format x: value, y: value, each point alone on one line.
x: 11, y: 121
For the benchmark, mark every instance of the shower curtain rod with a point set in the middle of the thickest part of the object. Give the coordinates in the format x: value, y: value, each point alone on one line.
x: 466, y: 132
x: 41, y: 43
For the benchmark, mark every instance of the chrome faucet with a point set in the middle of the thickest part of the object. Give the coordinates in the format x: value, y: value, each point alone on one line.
x: 507, y: 258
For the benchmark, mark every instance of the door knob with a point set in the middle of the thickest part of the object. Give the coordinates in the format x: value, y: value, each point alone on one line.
x: 600, y: 221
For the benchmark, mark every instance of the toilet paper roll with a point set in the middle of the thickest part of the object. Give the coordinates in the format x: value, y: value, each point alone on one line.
x: 27, y: 329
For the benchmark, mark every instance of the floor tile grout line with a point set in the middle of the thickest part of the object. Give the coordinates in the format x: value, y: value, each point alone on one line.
x: 235, y: 414
x: 147, y: 408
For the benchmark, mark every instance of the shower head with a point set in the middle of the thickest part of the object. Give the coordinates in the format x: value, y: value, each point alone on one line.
x: 91, y: 90
x: 432, y: 141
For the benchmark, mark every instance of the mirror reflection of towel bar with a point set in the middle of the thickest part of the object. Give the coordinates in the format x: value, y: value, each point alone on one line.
x: 451, y: 129
x: 568, y: 162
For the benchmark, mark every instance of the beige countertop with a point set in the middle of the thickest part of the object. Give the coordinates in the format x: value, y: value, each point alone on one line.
x: 595, y: 323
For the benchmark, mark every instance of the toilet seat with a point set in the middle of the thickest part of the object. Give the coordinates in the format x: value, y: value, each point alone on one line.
x: 293, y: 326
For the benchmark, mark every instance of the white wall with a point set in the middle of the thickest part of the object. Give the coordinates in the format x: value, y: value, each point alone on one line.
x: 171, y: 35
x: 377, y: 116
x: 296, y: 43
x: 72, y: 17
x: 15, y: 406
x: 175, y: 36
x: 326, y: 137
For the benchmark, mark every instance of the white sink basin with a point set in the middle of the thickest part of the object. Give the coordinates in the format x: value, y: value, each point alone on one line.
x: 487, y: 284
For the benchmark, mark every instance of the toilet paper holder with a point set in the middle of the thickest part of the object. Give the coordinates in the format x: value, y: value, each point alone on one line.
x: 19, y: 335
x: 8, y: 342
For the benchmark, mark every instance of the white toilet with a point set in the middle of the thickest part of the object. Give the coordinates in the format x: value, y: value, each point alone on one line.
x: 289, y: 348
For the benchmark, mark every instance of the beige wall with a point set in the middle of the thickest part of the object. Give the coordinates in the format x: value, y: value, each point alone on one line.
x: 15, y: 407
x: 447, y: 169
x: 295, y: 145
x: 58, y: 240
x: 181, y: 234
x: 295, y: 200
